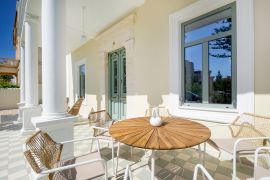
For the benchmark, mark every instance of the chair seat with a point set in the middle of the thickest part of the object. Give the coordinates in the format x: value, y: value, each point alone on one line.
x: 88, y: 171
x: 262, y: 173
x: 227, y: 145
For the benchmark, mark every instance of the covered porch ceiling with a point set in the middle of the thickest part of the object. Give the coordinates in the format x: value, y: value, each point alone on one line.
x: 98, y: 15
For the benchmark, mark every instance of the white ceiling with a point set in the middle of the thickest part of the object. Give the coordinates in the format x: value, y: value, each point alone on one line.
x: 99, y: 14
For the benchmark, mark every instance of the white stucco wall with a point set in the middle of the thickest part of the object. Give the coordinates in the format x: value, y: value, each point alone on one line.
x: 148, y: 74
x: 9, y: 98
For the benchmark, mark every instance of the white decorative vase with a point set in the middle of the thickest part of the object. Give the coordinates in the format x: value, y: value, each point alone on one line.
x: 155, y: 120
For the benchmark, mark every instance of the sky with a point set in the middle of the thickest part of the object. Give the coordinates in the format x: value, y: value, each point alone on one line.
x: 7, y: 16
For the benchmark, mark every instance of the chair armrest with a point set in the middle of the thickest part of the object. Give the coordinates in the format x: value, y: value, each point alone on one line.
x: 246, y: 139
x: 205, y: 172
x: 257, y: 154
x: 220, y: 125
x: 100, y: 128
x: 77, y: 140
x: 73, y: 166
x: 84, y: 139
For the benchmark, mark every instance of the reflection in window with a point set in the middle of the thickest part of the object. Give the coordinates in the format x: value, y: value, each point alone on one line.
x: 207, y: 46
x: 82, y: 81
x: 212, y: 25
x: 115, y: 77
x: 124, y: 76
x: 193, y: 74
x: 220, y: 71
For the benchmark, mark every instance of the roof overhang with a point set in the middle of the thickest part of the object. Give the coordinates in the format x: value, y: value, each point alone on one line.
x: 99, y: 15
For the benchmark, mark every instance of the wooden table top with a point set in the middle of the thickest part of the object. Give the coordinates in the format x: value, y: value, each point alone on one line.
x: 175, y: 133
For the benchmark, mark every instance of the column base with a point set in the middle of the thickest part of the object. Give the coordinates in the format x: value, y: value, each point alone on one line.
x: 28, y: 113
x: 60, y: 129
x: 20, y: 106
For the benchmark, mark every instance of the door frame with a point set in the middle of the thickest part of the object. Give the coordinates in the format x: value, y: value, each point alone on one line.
x: 109, y: 81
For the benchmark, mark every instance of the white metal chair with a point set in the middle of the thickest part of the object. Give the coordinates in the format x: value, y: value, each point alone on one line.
x: 262, y: 163
x: 43, y: 155
x: 205, y: 172
x: 101, y: 121
x: 128, y: 173
x: 248, y: 132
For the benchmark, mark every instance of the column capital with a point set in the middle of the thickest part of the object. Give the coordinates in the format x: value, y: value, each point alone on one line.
x: 31, y: 18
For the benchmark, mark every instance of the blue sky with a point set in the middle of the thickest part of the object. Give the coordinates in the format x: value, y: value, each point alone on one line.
x: 7, y: 16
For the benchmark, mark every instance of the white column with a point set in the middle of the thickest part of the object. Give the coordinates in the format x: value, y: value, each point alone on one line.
x: 54, y: 58
x: 31, y: 107
x: 31, y: 63
x: 22, y: 82
x: 22, y: 74
x: 55, y: 119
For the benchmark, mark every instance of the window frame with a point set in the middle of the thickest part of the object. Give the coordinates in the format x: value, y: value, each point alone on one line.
x: 205, y: 60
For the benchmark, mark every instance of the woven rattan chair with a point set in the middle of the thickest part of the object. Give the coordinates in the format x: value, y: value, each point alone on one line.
x: 43, y: 154
x: 76, y: 107
x: 262, y: 163
x: 163, y: 111
x: 248, y: 132
x: 101, y: 121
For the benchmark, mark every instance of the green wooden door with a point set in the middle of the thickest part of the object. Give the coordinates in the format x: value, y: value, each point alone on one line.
x: 117, y: 84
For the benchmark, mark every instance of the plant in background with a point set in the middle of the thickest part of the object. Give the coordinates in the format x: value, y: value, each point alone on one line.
x: 5, y: 82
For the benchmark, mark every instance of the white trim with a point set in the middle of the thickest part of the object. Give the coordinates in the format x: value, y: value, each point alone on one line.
x: 245, y: 59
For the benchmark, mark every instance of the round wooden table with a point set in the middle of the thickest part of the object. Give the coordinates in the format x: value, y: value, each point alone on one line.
x: 175, y: 133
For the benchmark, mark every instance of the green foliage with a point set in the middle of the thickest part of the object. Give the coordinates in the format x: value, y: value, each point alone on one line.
x: 4, y: 84
x: 6, y: 78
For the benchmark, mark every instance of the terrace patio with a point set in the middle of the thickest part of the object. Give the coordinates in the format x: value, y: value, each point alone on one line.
x: 177, y: 164
x: 202, y: 60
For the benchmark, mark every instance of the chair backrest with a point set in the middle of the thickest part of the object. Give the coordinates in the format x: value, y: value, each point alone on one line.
x: 76, y: 107
x: 162, y: 111
x: 100, y: 119
x: 42, y: 152
x: 251, y: 125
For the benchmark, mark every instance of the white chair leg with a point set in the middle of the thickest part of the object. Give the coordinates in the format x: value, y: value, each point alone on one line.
x: 91, y: 147
x: 131, y: 151
x: 106, y: 171
x: 126, y: 173
x: 117, y: 158
x: 234, y: 166
x: 113, y: 167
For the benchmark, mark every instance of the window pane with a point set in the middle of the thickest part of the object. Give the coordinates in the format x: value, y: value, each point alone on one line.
x: 82, y: 80
x: 220, y: 71
x: 193, y: 73
x: 212, y: 25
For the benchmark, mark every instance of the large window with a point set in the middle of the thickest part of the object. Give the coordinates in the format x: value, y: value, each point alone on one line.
x: 209, y: 59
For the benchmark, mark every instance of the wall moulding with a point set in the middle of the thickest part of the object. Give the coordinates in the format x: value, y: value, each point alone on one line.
x: 118, y: 36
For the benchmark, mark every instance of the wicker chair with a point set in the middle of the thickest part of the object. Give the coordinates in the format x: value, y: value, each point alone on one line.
x: 262, y: 163
x: 43, y: 155
x: 76, y: 107
x: 162, y: 111
x: 248, y: 132
x: 101, y: 121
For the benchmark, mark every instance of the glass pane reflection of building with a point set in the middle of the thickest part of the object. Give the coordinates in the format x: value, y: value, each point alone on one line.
x: 220, y: 71
x: 193, y: 74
